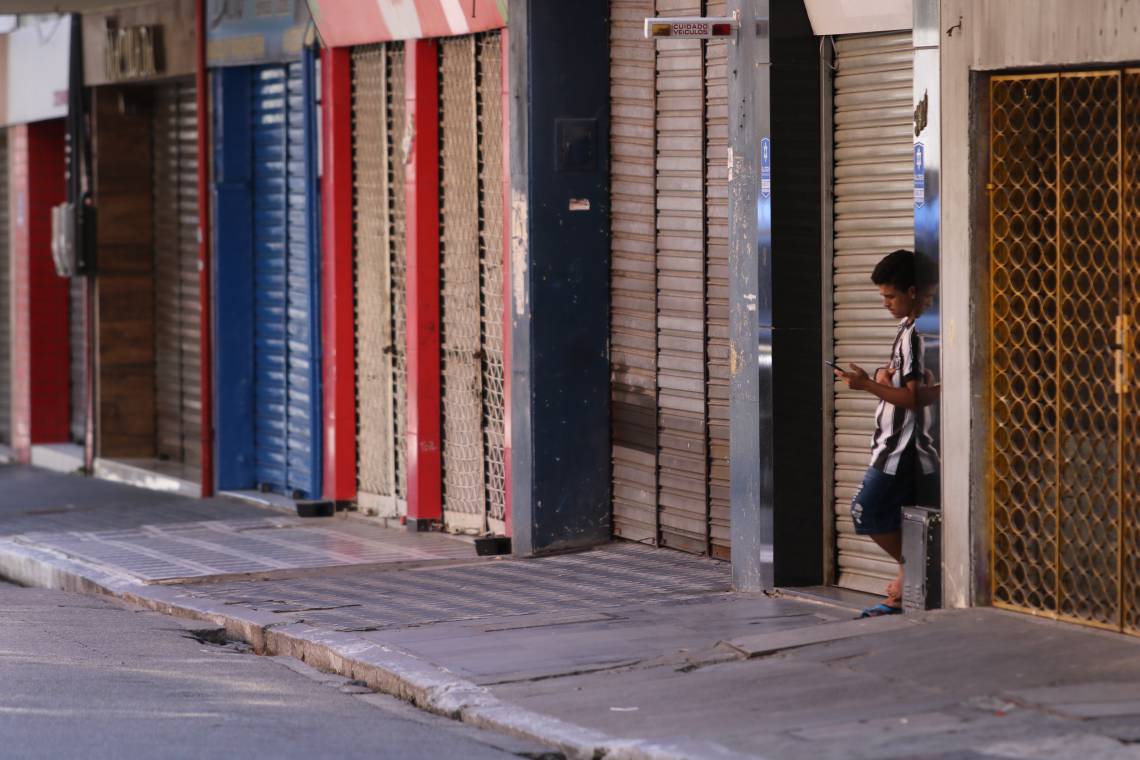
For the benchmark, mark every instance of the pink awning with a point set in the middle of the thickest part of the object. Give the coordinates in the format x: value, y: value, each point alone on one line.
x: 359, y: 22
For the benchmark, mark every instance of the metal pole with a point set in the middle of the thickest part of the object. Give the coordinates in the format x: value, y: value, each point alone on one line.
x: 202, y: 84
x: 750, y: 299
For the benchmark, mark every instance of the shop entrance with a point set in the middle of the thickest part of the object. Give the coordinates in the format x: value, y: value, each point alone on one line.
x: 1064, y: 285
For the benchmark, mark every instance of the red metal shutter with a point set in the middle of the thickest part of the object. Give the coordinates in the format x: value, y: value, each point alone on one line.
x: 5, y: 301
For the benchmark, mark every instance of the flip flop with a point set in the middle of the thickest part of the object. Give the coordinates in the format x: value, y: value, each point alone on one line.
x: 880, y: 610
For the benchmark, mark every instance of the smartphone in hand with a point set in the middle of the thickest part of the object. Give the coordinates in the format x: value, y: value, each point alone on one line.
x: 832, y: 364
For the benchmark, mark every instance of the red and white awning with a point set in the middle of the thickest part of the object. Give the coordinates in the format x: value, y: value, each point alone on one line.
x: 359, y: 22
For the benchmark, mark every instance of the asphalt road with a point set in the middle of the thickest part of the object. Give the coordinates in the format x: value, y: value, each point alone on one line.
x: 92, y: 678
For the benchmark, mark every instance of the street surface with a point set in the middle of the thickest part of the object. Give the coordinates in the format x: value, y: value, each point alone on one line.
x: 88, y: 677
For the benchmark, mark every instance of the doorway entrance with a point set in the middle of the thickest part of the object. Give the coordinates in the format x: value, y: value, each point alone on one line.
x: 1064, y: 176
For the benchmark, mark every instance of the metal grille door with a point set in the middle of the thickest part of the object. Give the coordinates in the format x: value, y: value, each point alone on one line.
x: 77, y: 351
x: 874, y: 215
x: 284, y: 312
x: 462, y: 389
x: 177, y: 309
x: 5, y: 301
x: 471, y: 283
x: 1063, y: 247
x: 488, y: 75
x: 379, y: 200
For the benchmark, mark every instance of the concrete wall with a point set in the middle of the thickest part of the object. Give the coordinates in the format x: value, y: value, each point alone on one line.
x: 979, y: 36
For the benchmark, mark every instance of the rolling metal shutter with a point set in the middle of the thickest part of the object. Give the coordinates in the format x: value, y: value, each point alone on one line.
x: 378, y: 113
x: 77, y: 338
x: 5, y: 301
x: 633, y: 278
x: 669, y: 282
x: 874, y: 214
x: 177, y: 307
x: 716, y: 284
x: 682, y: 415
x: 471, y: 283
x: 285, y: 330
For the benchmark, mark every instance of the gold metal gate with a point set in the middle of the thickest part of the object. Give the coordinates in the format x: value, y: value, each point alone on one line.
x: 1064, y: 246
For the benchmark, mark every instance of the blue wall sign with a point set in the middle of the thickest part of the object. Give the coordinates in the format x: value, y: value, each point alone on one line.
x: 765, y: 168
x: 919, y: 175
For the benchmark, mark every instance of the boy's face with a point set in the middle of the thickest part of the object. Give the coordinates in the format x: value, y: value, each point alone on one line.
x: 900, y: 303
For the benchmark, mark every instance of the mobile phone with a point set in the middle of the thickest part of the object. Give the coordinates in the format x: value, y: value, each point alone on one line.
x: 832, y: 364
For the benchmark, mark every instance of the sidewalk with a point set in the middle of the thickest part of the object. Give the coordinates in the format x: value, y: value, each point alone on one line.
x: 625, y: 651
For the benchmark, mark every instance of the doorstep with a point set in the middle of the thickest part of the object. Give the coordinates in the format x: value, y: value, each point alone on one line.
x: 58, y: 457
x: 153, y: 474
x: 272, y: 500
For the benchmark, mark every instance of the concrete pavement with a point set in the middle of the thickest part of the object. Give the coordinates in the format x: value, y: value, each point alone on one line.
x: 625, y: 651
x: 92, y: 678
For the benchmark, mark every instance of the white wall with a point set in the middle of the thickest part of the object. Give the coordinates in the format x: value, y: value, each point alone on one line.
x: 37, y: 70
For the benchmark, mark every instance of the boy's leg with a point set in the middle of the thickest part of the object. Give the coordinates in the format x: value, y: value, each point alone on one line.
x: 891, y: 543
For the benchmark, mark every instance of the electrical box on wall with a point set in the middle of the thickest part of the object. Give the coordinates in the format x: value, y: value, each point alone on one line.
x: 72, y: 235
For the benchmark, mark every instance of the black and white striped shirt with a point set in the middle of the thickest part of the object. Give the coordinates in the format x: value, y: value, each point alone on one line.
x: 899, y: 432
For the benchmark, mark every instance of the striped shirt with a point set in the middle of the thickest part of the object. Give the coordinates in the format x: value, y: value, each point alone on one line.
x: 901, y: 434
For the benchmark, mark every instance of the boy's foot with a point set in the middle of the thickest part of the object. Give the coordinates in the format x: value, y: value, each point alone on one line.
x: 879, y: 610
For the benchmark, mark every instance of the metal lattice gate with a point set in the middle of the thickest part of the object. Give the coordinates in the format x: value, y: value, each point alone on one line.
x: 177, y: 308
x: 669, y: 282
x: 1064, y: 271
x: 471, y: 283
x: 378, y: 123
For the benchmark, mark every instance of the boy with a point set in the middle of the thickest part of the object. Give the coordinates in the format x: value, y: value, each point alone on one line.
x: 904, y: 463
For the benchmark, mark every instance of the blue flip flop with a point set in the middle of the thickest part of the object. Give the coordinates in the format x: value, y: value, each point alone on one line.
x: 879, y: 610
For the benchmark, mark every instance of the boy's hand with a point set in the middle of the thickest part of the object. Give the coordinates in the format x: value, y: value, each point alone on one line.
x: 883, y: 375
x: 856, y: 377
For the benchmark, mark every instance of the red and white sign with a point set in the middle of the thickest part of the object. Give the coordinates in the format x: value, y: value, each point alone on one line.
x: 697, y: 28
x: 360, y: 22
x: 37, y: 70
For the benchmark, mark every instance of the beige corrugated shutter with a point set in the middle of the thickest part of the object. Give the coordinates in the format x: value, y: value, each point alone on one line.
x: 177, y: 306
x: 682, y: 421
x: 874, y: 215
x: 378, y: 108
x: 716, y: 283
x: 669, y: 282
x: 633, y: 278
x: 5, y: 300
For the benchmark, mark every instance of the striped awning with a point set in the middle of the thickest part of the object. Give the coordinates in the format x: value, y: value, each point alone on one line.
x: 359, y: 22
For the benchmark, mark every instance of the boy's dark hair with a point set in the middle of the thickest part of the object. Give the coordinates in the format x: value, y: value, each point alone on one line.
x: 897, y: 269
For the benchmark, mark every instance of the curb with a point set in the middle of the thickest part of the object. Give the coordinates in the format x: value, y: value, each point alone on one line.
x: 383, y: 668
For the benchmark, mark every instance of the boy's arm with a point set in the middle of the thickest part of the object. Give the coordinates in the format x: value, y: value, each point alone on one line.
x: 857, y: 379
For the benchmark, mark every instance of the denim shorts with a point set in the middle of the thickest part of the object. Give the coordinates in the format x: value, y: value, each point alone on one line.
x: 877, y: 506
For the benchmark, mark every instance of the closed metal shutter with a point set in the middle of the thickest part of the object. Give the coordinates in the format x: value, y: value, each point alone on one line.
x: 5, y: 301
x: 378, y: 189
x: 177, y: 307
x: 471, y: 284
x: 874, y: 215
x: 284, y: 310
x: 77, y: 339
x: 716, y: 284
x: 489, y: 78
x: 464, y: 507
x: 669, y: 282
x: 682, y: 421
x: 633, y: 278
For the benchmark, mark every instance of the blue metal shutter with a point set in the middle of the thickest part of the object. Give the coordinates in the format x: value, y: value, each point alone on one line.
x: 285, y: 329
